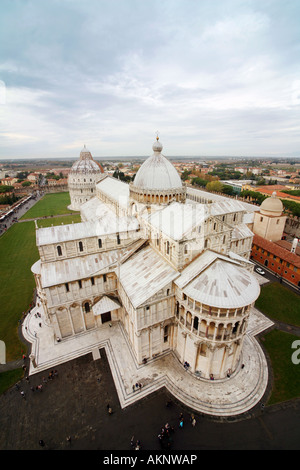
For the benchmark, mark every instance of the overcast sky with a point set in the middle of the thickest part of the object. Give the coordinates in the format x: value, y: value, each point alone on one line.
x: 213, y: 77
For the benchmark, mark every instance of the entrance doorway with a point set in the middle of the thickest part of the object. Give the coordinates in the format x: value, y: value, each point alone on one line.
x: 105, y: 317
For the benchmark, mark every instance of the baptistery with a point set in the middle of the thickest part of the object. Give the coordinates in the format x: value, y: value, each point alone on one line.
x: 84, y: 175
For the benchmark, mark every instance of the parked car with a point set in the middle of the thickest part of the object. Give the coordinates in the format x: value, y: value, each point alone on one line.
x: 260, y: 271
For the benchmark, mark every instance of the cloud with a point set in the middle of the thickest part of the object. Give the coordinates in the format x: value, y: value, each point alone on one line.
x: 212, y: 77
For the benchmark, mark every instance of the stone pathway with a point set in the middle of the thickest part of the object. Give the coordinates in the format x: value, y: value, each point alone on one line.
x: 227, y: 397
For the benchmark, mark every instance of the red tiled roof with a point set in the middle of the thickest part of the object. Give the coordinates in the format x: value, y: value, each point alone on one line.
x: 277, y: 250
x: 268, y: 191
x: 287, y: 246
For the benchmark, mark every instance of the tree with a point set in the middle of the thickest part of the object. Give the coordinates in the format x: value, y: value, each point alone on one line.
x: 22, y: 175
x: 227, y: 189
x: 199, y: 182
x: 5, y: 188
x: 292, y: 207
x: 216, y: 186
x: 185, y: 175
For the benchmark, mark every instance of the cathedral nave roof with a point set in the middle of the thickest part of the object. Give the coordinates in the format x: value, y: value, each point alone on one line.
x: 114, y: 189
x: 83, y: 267
x: 108, y: 224
x: 178, y: 219
x: 144, y: 274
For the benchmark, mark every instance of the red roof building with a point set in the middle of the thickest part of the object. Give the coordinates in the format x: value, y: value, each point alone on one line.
x: 277, y: 259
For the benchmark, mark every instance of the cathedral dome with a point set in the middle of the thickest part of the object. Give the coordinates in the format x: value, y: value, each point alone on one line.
x: 272, y: 206
x: 157, y: 173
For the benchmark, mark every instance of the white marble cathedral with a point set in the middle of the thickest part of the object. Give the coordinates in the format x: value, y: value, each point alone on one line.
x: 174, y: 272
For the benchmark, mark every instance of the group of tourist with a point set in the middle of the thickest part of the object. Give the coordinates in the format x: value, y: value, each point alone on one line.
x: 39, y: 388
x: 165, y: 436
x: 135, y: 445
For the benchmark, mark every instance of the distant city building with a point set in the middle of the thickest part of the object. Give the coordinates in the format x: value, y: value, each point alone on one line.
x: 238, y: 185
x: 33, y: 177
x: 9, y: 181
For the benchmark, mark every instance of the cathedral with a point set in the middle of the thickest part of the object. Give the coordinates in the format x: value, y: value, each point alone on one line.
x: 174, y: 272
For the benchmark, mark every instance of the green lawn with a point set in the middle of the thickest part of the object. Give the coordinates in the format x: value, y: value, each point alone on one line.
x: 68, y: 219
x: 9, y: 378
x: 286, y: 374
x: 50, y: 204
x: 279, y: 303
x: 18, y: 252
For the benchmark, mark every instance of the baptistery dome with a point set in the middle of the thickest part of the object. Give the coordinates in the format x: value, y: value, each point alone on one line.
x: 84, y: 175
x: 157, y: 181
x: 86, y: 163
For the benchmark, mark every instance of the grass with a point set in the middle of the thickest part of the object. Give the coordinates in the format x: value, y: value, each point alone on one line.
x: 279, y: 303
x: 18, y: 252
x: 68, y: 219
x: 286, y: 374
x: 51, y: 204
x: 9, y: 378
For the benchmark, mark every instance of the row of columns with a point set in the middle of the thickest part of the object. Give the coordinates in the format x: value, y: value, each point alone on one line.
x: 223, y: 334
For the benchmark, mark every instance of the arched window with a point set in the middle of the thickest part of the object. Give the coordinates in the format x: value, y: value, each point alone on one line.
x: 87, y: 307
x: 59, y: 250
x: 196, y: 323
x: 234, y: 329
x: 168, y: 248
x: 166, y: 331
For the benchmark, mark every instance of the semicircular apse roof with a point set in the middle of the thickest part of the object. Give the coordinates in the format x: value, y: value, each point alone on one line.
x: 224, y: 285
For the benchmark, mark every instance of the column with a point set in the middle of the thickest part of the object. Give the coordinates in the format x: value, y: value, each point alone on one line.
x: 196, y: 345
x: 211, y: 355
x: 183, y: 349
